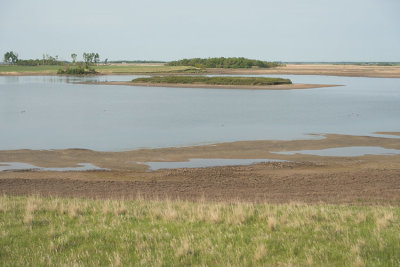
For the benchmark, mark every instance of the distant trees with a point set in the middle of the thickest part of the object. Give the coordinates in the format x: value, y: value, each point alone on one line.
x: 11, y: 57
x: 82, y: 68
x: 90, y: 59
x: 73, y: 55
x: 46, y: 60
x: 222, y: 62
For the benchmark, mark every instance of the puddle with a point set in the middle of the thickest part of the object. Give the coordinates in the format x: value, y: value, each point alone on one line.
x: 352, y: 151
x: 202, y: 163
x: 18, y: 166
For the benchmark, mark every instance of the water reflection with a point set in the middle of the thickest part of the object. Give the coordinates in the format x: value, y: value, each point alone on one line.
x: 53, y: 112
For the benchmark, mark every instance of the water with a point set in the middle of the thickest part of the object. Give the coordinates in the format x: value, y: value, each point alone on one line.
x: 51, y: 112
x: 202, y: 163
x: 13, y: 166
x: 352, y: 151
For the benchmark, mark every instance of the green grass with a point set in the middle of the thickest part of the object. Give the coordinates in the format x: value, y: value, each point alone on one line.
x: 104, y: 69
x: 145, y: 69
x: 22, y: 69
x: 213, y: 80
x: 37, y: 231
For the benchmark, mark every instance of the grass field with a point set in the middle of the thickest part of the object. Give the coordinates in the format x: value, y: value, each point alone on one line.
x: 33, y: 69
x: 39, y: 231
x: 102, y: 69
x: 213, y: 80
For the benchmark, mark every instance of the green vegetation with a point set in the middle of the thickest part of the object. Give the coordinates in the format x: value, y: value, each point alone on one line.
x: 29, y: 69
x: 37, y: 231
x: 103, y: 69
x: 45, y: 61
x: 78, y: 70
x: 213, y: 80
x: 222, y: 62
x: 145, y: 69
x: 136, y: 61
x: 10, y: 57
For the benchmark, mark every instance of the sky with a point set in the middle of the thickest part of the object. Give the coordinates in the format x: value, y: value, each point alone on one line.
x: 284, y: 30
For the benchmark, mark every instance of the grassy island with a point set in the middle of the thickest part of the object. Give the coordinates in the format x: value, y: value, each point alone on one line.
x: 213, y: 80
x: 222, y: 62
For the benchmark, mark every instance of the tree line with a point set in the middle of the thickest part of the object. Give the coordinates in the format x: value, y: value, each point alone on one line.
x: 89, y: 59
x: 222, y: 62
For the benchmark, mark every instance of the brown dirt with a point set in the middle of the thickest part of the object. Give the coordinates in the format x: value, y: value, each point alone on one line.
x: 320, y: 69
x: 367, y: 179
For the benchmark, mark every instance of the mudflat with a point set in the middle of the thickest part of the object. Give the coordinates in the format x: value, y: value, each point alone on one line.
x: 319, y: 69
x: 305, y: 178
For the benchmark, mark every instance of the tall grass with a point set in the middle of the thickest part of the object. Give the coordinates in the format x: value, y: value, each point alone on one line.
x: 38, y: 231
x: 213, y: 80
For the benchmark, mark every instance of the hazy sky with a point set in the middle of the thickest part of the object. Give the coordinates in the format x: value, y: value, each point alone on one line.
x: 282, y: 30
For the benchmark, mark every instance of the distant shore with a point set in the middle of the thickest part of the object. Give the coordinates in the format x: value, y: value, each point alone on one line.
x: 289, y: 69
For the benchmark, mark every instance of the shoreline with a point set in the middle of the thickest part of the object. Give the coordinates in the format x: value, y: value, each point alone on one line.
x: 215, y: 86
x: 367, y: 179
x: 256, y: 149
x: 289, y: 69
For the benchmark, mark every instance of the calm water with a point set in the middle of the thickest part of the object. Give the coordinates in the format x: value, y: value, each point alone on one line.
x: 13, y: 166
x: 201, y: 163
x: 351, y: 151
x: 50, y: 112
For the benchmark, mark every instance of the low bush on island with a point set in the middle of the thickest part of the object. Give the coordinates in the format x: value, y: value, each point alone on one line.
x: 79, y: 70
x: 213, y: 80
x: 222, y: 62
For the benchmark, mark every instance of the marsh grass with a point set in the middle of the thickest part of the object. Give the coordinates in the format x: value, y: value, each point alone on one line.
x: 37, y: 231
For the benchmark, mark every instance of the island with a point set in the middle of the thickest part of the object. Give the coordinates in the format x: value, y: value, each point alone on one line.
x: 218, y: 82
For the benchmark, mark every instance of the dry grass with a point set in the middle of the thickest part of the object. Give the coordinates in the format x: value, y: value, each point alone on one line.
x: 142, y: 232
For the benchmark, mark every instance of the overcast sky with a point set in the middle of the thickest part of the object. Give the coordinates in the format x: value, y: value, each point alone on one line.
x: 280, y: 30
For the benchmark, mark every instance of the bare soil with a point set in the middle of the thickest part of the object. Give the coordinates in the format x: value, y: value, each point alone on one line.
x: 320, y: 69
x: 306, y: 178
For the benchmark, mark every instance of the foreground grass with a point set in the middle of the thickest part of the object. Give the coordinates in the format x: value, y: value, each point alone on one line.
x: 213, y: 80
x: 54, y: 231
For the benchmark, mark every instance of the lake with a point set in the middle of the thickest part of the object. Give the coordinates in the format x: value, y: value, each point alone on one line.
x: 51, y: 112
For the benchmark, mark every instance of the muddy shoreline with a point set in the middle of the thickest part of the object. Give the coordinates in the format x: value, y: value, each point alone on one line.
x: 306, y: 178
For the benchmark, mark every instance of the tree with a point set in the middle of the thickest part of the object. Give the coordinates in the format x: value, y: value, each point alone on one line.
x: 74, y: 57
x: 90, y: 59
x: 10, y: 57
x: 106, y: 61
x: 96, y: 58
